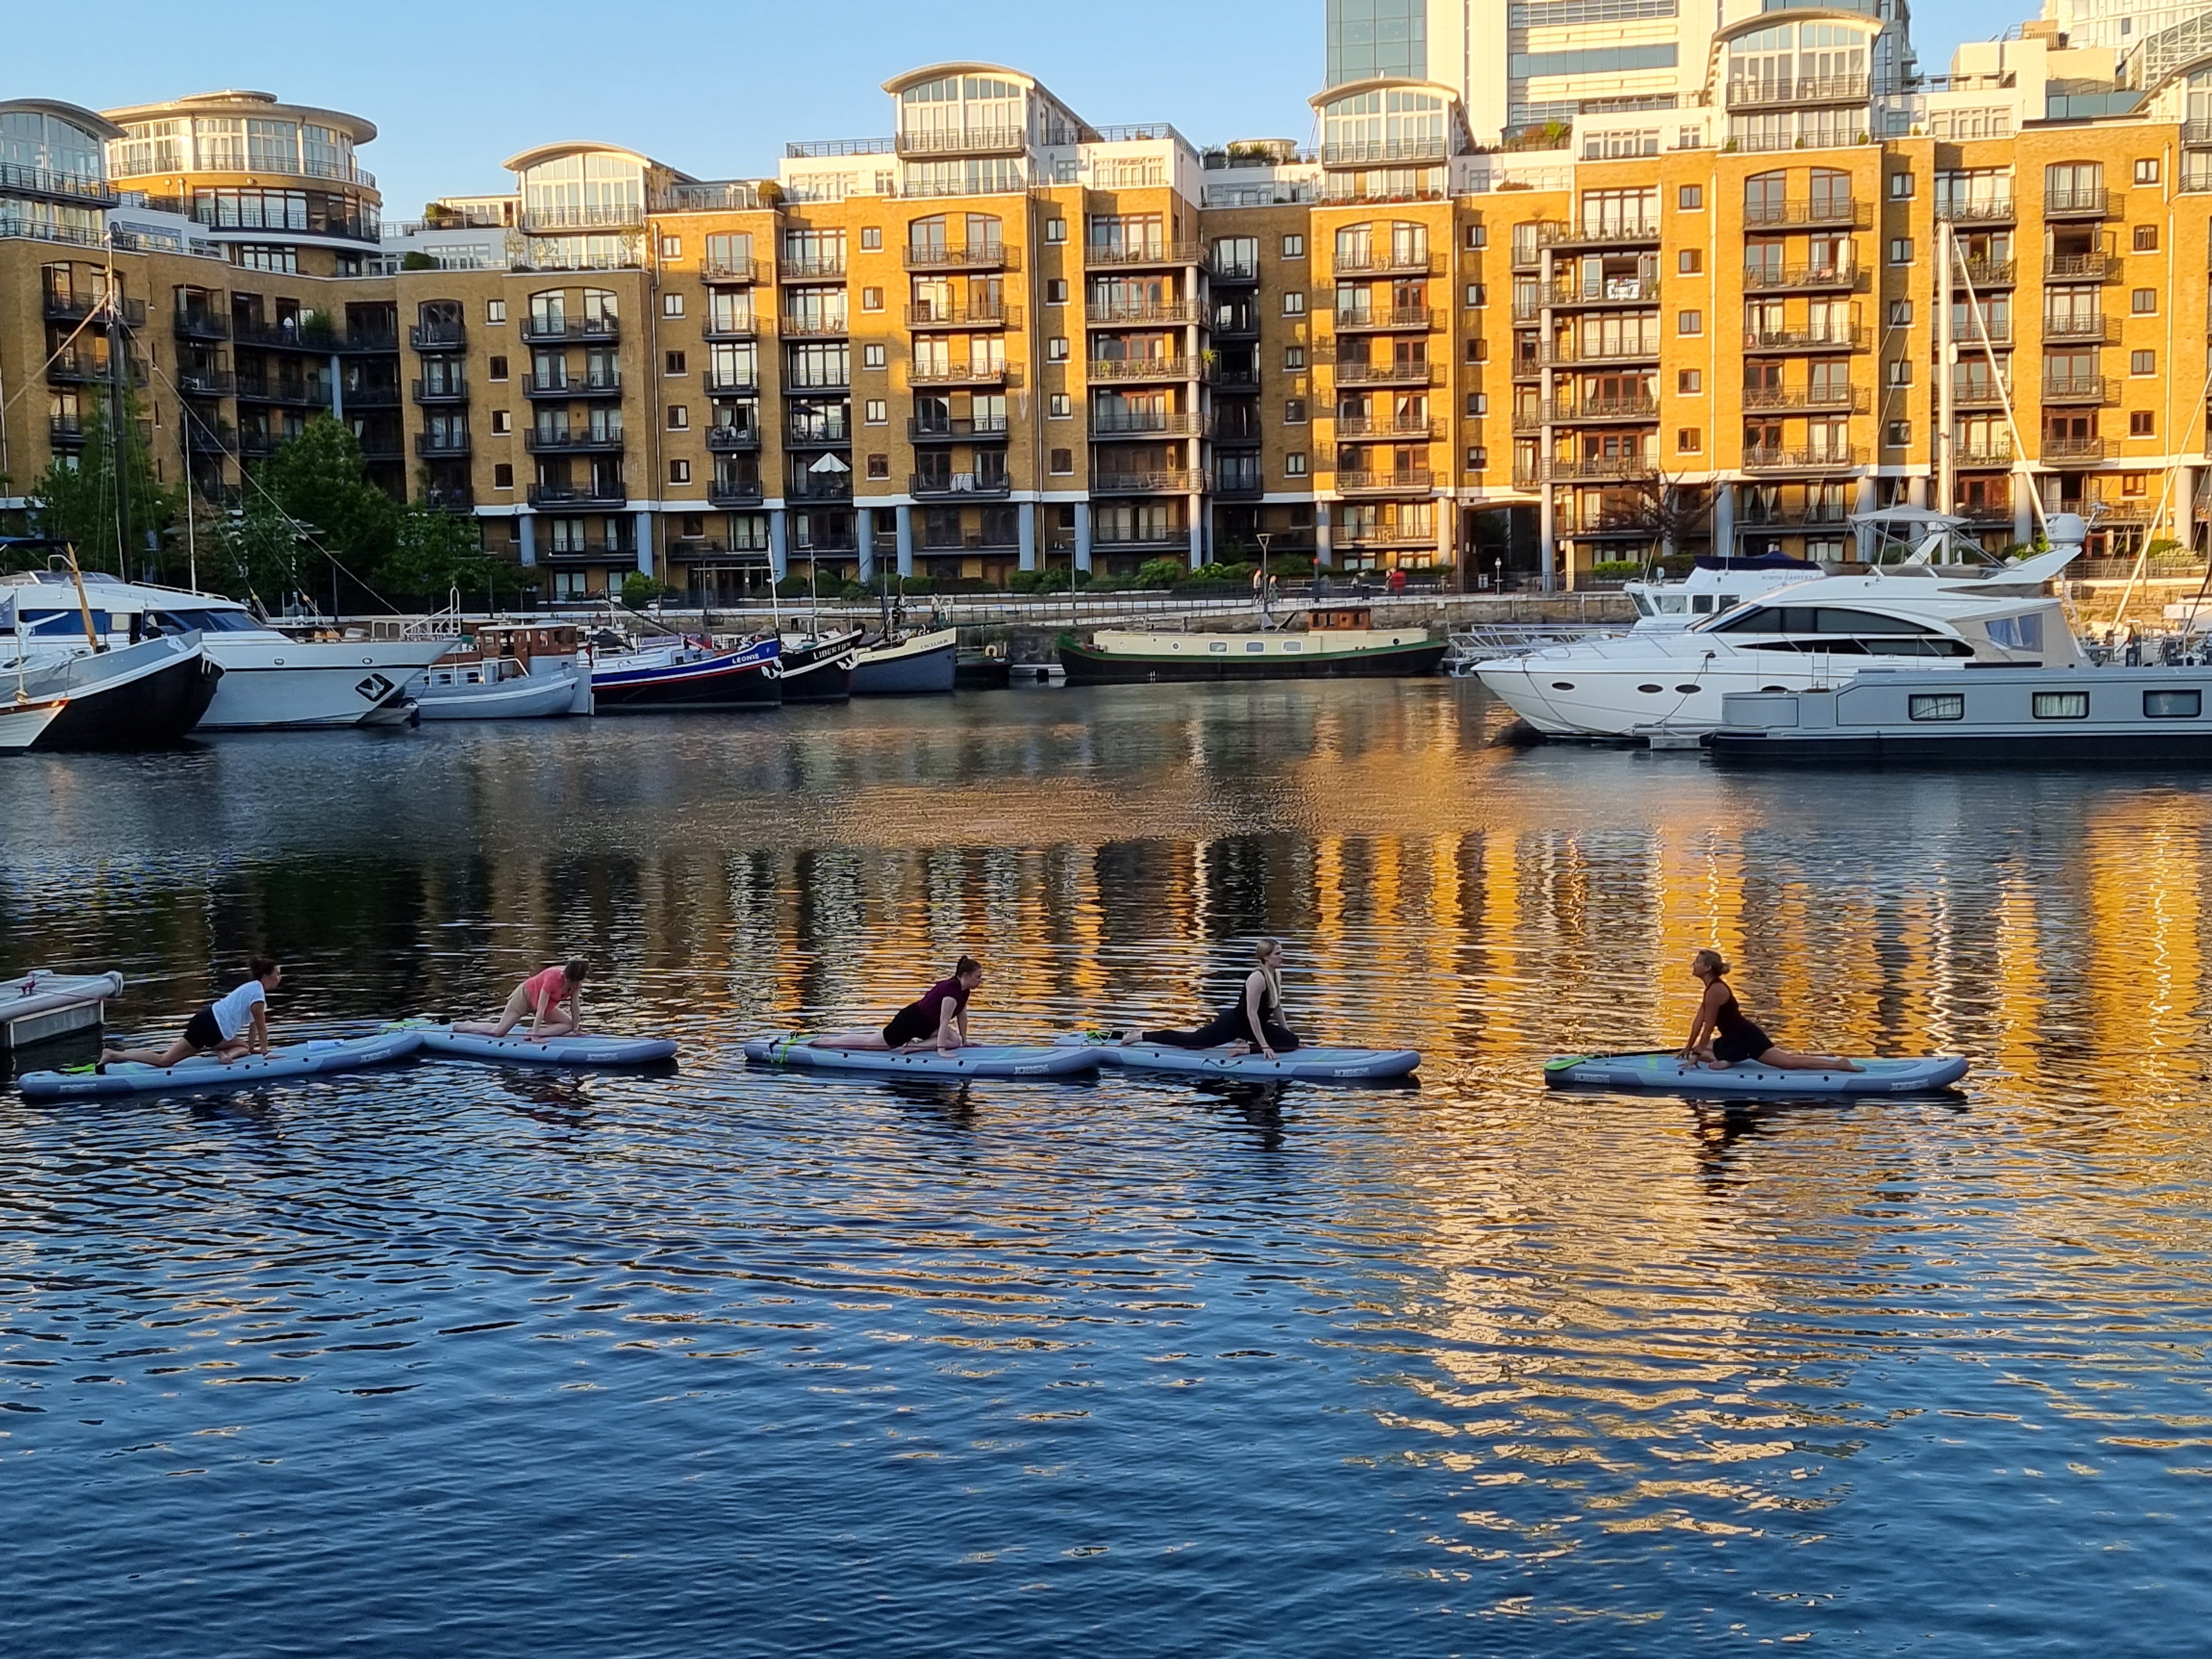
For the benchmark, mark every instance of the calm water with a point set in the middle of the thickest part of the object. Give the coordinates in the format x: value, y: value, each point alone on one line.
x: 459, y: 1360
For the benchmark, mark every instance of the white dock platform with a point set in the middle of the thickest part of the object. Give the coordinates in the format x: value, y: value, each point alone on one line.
x: 43, y: 1004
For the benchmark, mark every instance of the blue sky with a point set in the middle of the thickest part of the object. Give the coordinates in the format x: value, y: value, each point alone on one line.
x: 457, y: 86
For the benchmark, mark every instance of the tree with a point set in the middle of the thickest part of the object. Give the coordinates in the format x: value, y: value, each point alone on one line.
x: 258, y: 557
x: 75, y: 499
x: 433, y: 553
x: 1673, y: 512
x: 319, y: 480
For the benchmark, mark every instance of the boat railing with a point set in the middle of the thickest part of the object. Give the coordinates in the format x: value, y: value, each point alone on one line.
x: 1492, y: 642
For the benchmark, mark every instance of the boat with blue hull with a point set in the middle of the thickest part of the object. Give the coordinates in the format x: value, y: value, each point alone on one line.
x: 687, y: 677
x: 914, y: 665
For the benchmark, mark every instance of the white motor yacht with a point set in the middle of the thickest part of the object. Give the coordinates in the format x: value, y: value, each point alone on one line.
x: 1714, y: 584
x: 270, y: 680
x: 1817, y: 632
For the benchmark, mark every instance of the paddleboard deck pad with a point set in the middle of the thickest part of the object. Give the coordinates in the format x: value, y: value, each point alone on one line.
x: 205, y: 1072
x: 573, y: 1050
x: 1664, y: 1071
x: 1300, y: 1065
x: 977, y: 1060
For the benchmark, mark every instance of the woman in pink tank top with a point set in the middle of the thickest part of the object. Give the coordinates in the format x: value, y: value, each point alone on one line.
x: 552, y: 1000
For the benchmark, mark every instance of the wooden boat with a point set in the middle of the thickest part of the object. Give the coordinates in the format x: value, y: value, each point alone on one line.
x: 818, y: 667
x: 137, y: 696
x: 1340, y: 642
x: 687, y: 677
x: 912, y: 664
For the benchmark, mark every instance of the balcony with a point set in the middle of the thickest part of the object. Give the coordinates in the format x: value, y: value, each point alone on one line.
x: 1098, y: 256
x: 441, y: 446
x: 604, y: 441
x: 1235, y: 380
x: 1804, y: 279
x: 969, y: 141
x: 1161, y: 312
x: 1806, y: 89
x: 1417, y: 481
x: 957, y: 374
x: 255, y: 445
x: 1232, y: 273
x: 1836, y: 337
x: 2089, y: 203
x: 1567, y: 411
x: 449, y: 498
x: 202, y: 437
x: 1814, y: 516
x: 985, y: 429
x: 1568, y: 353
x: 66, y: 431
x: 279, y: 336
x: 304, y: 394
x: 747, y: 272
x: 600, y: 492
x: 1979, y: 394
x: 1997, y: 452
x: 1141, y: 368
x: 736, y: 490
x: 1606, y: 232
x: 920, y: 317
x: 1376, y: 152
x: 1844, y: 212
x: 620, y: 216
x: 73, y: 189
x: 205, y: 382
x: 2073, y: 451
x: 820, y: 487
x: 1144, y: 423
x: 1368, y: 426
x: 367, y: 340
x: 1394, y: 374
x: 1164, y: 538
x: 1834, y: 458
x: 564, y: 331
x: 2098, y: 330
x: 944, y: 486
x: 732, y: 382
x: 76, y: 307
x: 812, y: 267
x: 1238, y: 483
x: 1170, y: 481
x: 732, y: 439
x: 380, y: 446
x: 1600, y: 469
x: 1373, y: 261
x: 969, y: 256
x: 1808, y: 399
x: 804, y: 433
x: 2097, y: 267
x: 825, y: 387
x: 1991, y: 273
x: 202, y: 325
x: 729, y: 326
x: 371, y: 397
x: 1617, y: 291
x: 2079, y: 389
x: 1415, y: 319
x: 439, y: 337
x: 1238, y: 323
x: 814, y: 328
x: 605, y: 384
x: 2002, y: 212
x: 447, y: 389
x: 597, y: 549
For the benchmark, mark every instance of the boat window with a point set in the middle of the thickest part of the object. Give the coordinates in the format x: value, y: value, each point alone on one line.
x: 1642, y: 605
x: 1702, y: 604
x: 1650, y: 689
x: 2060, y: 705
x: 2173, y: 705
x: 1937, y: 706
x: 1728, y: 601
x: 2017, y: 633
x: 1687, y: 690
x: 1562, y: 685
x: 210, y: 622
x: 1672, y: 604
x: 1294, y: 645
x: 1816, y: 619
x: 1217, y: 645
x: 1256, y: 645
x: 48, y: 624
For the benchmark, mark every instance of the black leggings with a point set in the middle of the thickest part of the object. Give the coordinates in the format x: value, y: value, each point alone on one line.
x: 1230, y: 1026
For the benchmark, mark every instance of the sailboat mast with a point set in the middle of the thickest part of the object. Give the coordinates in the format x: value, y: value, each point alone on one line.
x: 117, y: 435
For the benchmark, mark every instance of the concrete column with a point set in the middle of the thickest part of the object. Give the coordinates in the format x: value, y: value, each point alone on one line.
x: 779, y: 561
x: 2182, y: 516
x: 2023, y: 507
x: 1196, y: 508
x: 529, y: 521
x: 904, y: 523
x: 1916, y: 491
x: 1083, y: 535
x: 1324, y: 536
x: 1547, y: 529
x: 644, y: 544
x: 1725, y: 519
x: 338, y: 389
x: 1026, y: 533
x: 864, y: 539
x: 1862, y: 536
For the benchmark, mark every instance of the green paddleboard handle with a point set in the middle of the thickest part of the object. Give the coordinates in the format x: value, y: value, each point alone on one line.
x: 1565, y: 1062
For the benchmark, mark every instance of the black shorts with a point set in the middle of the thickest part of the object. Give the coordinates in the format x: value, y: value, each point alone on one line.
x: 1747, y: 1044
x: 200, y: 1030
x: 908, y: 1025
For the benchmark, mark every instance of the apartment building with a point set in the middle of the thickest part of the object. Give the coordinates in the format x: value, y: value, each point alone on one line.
x: 1002, y: 339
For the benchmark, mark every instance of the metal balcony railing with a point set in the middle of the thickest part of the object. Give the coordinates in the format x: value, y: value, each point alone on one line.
x: 961, y: 429
x: 814, y: 328
x: 1998, y: 453
x: 439, y: 337
x: 1991, y: 273
x: 436, y: 446
x: 1394, y: 374
x: 1372, y: 261
x: 1414, y: 480
x: 42, y: 181
x: 2079, y: 389
x: 1979, y: 394
x: 820, y: 487
x: 724, y: 439
x: 732, y: 382
x: 202, y: 325
x: 1835, y: 337
x: 734, y: 270
x: 602, y: 441
x: 447, y: 389
x: 1806, y: 89
x: 1413, y: 319
x: 2063, y: 450
x: 2093, y: 202
x: 1168, y: 482
x: 1388, y: 426
x: 606, y: 384
x: 1997, y: 211
x: 736, y: 490
x: 968, y: 141
x: 557, y: 330
x: 967, y: 256
x: 969, y: 374
x: 1144, y: 423
x: 1140, y: 369
x: 1097, y: 255
x: 929, y: 314
x: 1604, y: 231
x: 1796, y: 279
x: 1163, y: 311
x: 600, y: 492
x: 2077, y: 327
x: 2095, y: 267
x: 205, y: 382
x: 812, y: 268
x: 1840, y: 210
x: 1761, y: 458
x: 621, y: 217
x: 937, y: 486
x: 1838, y: 400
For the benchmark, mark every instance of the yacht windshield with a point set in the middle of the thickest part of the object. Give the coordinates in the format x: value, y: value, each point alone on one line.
x: 210, y: 622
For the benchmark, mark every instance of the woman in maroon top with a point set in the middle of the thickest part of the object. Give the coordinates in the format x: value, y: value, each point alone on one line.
x: 939, y: 1019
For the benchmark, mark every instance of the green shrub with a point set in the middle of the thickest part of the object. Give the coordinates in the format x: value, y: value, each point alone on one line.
x: 851, y: 591
x: 640, y: 589
x: 1161, y: 572
x: 1616, y: 570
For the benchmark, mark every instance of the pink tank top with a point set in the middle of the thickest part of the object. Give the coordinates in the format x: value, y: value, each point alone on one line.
x: 550, y: 987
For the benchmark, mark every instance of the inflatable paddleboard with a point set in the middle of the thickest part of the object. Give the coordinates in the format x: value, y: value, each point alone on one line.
x: 205, y: 1072
x: 978, y: 1060
x: 1664, y: 1071
x: 1300, y: 1065
x: 576, y: 1050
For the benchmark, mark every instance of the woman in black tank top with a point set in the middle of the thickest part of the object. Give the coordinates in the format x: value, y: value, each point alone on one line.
x: 1720, y: 1035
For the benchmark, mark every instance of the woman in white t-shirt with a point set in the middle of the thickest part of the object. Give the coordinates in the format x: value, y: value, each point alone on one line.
x: 235, y: 1024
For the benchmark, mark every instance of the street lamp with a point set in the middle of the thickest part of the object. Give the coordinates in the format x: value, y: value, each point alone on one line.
x: 1266, y: 610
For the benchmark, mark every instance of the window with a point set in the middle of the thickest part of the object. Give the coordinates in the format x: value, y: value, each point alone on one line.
x: 871, y: 357
x: 1478, y: 403
x: 1061, y: 407
x: 1690, y: 440
x: 2059, y: 705
x: 1294, y: 247
x: 1477, y: 350
x: 501, y: 421
x: 672, y: 305
x: 2143, y: 362
x: 2146, y: 237
x: 879, y: 467
x: 2143, y: 301
x: 671, y: 247
x: 502, y: 475
x: 675, y: 362
x: 1901, y: 371
x: 1294, y: 464
x: 2134, y: 483
x: 1055, y: 230
x: 2147, y: 173
x: 1294, y: 356
x: 679, y: 472
x: 871, y: 237
x: 1900, y: 250
x: 1690, y: 261
x: 494, y: 311
x: 1900, y: 187
x: 1062, y: 461
x: 1689, y: 381
x: 282, y: 260
x: 1690, y: 198
x: 1294, y: 302
x: 1900, y: 313
x: 1477, y: 296
x: 2174, y: 705
x: 876, y: 412
x: 872, y: 298
x: 496, y: 369
x: 1477, y: 458
x: 1055, y: 349
x: 1936, y: 705
x: 1689, y: 322
x: 679, y: 418
x: 1294, y: 412
x: 2141, y: 423
x: 1897, y: 435
x: 1477, y: 236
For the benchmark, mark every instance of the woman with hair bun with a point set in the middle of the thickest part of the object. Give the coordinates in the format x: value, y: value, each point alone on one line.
x: 937, y: 1020
x: 1254, y: 1025
x: 1722, y: 1036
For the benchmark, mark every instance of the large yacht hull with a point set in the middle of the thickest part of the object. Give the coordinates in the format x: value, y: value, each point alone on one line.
x: 270, y: 684
x: 1634, y: 695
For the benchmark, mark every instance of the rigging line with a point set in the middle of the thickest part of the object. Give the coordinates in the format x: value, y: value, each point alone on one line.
x: 38, y: 374
x: 2004, y: 390
x: 2142, y: 554
x: 246, y: 474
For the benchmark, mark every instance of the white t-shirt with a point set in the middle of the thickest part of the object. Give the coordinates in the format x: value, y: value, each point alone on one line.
x: 235, y: 1012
